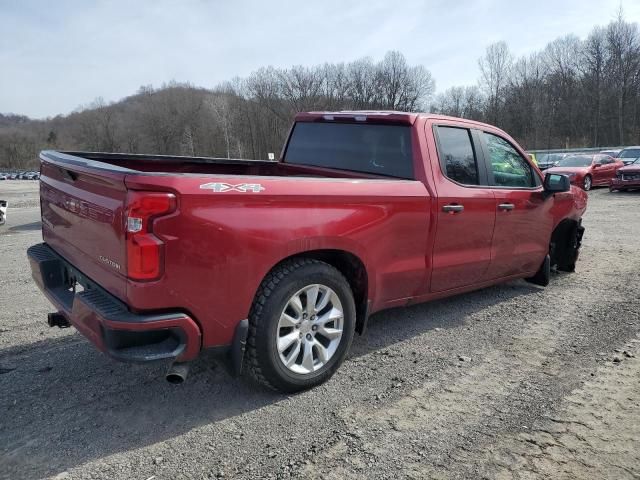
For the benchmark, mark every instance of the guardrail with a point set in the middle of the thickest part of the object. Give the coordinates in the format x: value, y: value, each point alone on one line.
x: 574, y: 150
x: 16, y: 170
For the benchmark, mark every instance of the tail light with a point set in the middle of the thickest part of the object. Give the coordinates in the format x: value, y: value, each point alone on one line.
x: 144, y: 250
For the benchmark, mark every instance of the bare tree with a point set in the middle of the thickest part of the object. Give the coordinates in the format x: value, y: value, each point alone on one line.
x: 219, y: 104
x: 592, y: 65
x: 623, y: 43
x: 495, y: 67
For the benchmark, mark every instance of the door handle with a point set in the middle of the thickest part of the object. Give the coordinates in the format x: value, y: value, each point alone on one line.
x: 453, y: 208
x: 506, y: 206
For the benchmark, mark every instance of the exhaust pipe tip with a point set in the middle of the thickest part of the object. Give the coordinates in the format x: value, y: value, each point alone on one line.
x: 177, y: 373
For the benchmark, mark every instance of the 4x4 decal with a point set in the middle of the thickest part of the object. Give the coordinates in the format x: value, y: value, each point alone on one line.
x: 227, y: 187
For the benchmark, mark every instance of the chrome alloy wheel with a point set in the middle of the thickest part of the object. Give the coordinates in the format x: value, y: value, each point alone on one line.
x: 310, y: 329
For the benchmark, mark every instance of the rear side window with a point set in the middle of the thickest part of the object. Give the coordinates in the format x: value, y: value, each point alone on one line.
x: 380, y: 149
x: 508, y: 167
x: 456, y: 154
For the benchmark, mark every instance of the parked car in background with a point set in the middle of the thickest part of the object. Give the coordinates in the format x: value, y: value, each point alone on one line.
x: 628, y: 177
x: 4, y: 176
x: 548, y: 160
x: 3, y: 211
x: 612, y: 153
x: 364, y: 211
x: 629, y: 155
x: 588, y: 170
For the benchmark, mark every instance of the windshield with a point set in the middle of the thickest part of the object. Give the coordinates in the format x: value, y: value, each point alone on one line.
x: 550, y: 157
x: 576, y: 161
x: 630, y: 153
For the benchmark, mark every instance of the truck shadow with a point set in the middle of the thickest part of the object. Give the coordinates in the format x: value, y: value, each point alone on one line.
x: 64, y: 404
x: 25, y: 227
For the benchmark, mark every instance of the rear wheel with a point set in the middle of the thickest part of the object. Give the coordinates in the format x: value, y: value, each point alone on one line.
x: 587, y: 183
x: 301, y: 325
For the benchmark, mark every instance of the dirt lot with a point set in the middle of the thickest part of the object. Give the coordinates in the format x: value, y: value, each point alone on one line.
x: 513, y: 381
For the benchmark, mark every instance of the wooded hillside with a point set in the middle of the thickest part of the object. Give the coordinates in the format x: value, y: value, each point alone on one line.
x: 573, y: 93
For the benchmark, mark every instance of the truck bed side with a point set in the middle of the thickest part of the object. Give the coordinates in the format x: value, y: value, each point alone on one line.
x: 228, y: 231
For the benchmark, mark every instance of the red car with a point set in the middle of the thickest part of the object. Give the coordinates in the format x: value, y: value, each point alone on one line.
x: 628, y: 177
x: 275, y: 265
x: 588, y: 170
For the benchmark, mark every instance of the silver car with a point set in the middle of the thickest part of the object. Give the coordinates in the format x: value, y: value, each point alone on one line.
x: 629, y: 155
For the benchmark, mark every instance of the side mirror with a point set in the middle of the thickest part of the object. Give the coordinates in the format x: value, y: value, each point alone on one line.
x: 556, y: 183
x: 596, y: 165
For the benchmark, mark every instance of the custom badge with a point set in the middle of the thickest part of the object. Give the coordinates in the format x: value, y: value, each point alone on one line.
x: 227, y: 187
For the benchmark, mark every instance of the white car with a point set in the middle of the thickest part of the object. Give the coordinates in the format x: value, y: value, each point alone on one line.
x: 3, y: 211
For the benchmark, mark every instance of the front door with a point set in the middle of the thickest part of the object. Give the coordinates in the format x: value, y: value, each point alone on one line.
x: 523, y: 222
x: 608, y: 168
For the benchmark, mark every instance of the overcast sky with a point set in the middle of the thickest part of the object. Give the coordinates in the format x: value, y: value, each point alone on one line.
x: 58, y: 55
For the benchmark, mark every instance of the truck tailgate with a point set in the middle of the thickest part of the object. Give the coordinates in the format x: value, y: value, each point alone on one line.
x: 82, y: 220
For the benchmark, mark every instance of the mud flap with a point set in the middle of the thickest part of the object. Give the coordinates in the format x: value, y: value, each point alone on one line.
x: 568, y: 264
x: 543, y: 275
x: 231, y: 357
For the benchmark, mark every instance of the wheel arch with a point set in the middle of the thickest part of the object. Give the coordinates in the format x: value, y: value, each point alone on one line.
x: 354, y: 270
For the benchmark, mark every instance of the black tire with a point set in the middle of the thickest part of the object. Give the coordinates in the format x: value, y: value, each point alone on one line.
x: 587, y: 183
x: 273, y: 294
x: 543, y: 275
x: 564, y: 252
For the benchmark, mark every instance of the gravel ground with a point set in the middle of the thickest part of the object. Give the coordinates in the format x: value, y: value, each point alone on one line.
x: 512, y: 381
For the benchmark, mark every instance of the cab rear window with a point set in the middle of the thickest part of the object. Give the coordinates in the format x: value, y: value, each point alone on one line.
x: 379, y: 149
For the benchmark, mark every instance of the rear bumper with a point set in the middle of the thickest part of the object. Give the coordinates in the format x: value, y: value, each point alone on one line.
x: 106, y: 321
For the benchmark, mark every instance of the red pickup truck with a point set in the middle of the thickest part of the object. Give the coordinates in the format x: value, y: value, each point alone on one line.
x: 277, y: 264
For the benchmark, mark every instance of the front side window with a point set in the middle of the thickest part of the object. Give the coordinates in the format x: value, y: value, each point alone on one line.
x: 508, y: 168
x: 457, y: 157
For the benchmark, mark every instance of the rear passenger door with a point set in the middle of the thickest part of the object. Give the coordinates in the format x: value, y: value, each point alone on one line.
x: 465, y: 211
x: 523, y: 221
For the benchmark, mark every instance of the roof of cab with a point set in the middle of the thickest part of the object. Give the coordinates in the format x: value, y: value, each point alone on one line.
x: 380, y: 116
x: 377, y: 116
